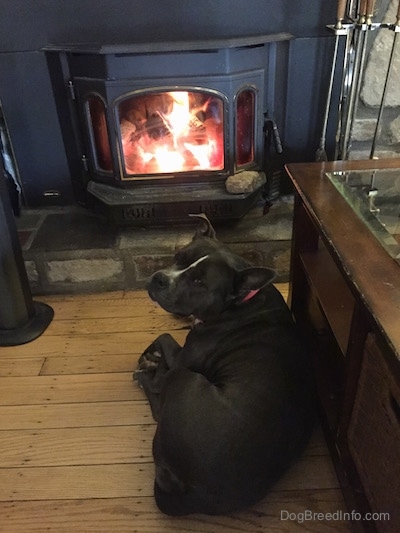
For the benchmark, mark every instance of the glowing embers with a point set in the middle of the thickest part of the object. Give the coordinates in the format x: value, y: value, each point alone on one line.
x: 169, y: 132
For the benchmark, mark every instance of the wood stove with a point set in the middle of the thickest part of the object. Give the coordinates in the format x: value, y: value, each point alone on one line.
x: 152, y: 131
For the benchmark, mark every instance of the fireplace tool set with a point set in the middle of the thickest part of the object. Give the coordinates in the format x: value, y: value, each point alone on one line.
x: 354, y: 24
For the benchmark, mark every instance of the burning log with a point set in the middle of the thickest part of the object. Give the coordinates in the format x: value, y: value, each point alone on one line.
x: 171, y: 132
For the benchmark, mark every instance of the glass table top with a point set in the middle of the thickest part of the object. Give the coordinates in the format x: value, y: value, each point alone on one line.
x: 374, y: 196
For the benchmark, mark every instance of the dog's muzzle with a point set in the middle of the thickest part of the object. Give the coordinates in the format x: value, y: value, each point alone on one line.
x: 160, y: 281
x: 159, y: 286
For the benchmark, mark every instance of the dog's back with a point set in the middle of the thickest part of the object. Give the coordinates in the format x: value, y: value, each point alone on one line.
x: 247, y: 411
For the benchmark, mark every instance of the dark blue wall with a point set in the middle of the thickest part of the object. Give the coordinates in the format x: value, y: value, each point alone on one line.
x: 25, y: 90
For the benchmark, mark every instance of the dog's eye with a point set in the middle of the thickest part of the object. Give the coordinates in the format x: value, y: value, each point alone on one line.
x: 198, y: 282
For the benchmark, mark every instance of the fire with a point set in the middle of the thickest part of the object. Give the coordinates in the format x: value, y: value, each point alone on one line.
x: 178, y: 120
x: 167, y: 160
x: 172, y: 132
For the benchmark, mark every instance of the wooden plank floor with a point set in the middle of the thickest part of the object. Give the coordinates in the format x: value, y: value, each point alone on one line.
x: 76, y: 432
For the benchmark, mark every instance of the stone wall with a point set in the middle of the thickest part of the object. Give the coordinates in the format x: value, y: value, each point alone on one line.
x: 377, y: 61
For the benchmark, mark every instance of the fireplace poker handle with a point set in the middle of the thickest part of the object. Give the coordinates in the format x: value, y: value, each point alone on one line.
x: 341, y: 9
x: 271, y: 128
x: 370, y: 11
x: 362, y: 12
x: 277, y: 138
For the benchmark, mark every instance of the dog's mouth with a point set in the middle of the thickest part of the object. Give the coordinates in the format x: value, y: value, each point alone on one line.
x: 165, y: 303
x: 152, y: 296
x: 162, y: 302
x: 172, y: 308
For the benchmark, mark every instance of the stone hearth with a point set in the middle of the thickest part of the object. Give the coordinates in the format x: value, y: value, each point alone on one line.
x: 71, y: 250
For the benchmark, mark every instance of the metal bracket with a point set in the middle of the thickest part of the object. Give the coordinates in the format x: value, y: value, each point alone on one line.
x: 71, y: 89
x: 343, y: 30
x: 84, y: 160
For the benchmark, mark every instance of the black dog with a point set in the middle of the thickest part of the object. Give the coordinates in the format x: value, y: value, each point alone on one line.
x: 234, y: 405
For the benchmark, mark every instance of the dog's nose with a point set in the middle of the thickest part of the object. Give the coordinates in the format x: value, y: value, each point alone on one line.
x: 160, y: 280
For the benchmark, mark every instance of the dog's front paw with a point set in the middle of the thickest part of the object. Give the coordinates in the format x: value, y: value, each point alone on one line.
x: 149, y: 360
x: 140, y: 376
x: 147, y: 365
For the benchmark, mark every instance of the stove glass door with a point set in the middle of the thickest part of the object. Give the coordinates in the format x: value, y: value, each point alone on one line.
x: 171, y: 132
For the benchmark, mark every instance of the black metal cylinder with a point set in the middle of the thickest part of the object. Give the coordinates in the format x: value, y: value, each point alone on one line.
x: 21, y: 319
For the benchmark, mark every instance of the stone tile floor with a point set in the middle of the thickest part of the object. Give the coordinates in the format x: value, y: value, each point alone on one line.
x: 70, y: 249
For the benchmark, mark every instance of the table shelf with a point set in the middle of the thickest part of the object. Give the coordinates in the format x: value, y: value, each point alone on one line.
x: 332, y: 293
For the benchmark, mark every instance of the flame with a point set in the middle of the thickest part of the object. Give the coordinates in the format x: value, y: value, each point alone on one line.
x: 168, y: 160
x: 177, y: 121
x: 175, y: 140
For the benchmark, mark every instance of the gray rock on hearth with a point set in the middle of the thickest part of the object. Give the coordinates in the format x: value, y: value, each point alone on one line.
x: 245, y: 182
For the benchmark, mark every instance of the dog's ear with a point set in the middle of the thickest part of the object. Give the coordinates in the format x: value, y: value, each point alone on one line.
x: 205, y: 229
x: 253, y: 279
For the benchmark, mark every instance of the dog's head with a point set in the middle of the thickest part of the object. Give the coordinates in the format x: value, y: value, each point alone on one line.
x: 206, y: 278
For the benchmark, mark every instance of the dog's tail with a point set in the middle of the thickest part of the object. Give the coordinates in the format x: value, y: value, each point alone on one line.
x: 174, y: 498
x: 190, y: 501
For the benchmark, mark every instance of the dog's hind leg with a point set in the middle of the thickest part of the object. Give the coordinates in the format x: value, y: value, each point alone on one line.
x: 145, y: 383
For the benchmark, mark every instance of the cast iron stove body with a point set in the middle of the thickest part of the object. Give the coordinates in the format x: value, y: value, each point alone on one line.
x: 153, y: 130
